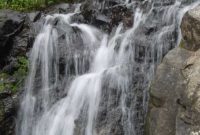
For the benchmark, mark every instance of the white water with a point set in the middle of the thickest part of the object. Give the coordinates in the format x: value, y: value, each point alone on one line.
x: 41, y: 114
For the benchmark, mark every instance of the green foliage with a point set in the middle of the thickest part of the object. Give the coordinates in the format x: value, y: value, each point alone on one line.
x: 26, y: 5
x: 13, y: 82
x: 21, y: 73
x: 6, y: 84
x: 22, y: 67
x: 2, y: 87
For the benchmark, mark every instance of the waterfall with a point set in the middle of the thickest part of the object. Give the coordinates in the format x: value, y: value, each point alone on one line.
x: 103, y: 89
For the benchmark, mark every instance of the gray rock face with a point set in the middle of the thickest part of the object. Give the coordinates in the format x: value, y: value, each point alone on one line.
x: 165, y: 93
x: 174, y: 107
x: 10, y: 25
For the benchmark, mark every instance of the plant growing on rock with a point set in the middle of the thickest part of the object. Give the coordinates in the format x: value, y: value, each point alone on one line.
x: 12, y: 82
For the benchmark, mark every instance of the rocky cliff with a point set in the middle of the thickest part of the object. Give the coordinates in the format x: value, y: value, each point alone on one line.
x: 174, y: 107
x: 17, y: 33
x: 174, y: 94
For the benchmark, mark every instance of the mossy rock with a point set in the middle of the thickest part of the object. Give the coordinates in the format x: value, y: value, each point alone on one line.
x: 13, y: 82
x: 22, y: 67
x: 3, y: 78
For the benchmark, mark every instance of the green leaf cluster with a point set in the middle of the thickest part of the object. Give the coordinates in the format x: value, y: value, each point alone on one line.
x: 26, y: 5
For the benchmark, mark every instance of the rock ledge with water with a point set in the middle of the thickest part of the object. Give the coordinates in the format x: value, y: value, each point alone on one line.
x: 17, y: 34
x: 174, y: 107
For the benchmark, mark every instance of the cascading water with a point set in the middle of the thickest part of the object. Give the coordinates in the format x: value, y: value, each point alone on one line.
x: 106, y: 77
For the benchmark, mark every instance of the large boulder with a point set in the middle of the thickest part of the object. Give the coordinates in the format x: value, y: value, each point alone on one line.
x: 174, y: 106
x: 165, y: 94
x: 191, y: 29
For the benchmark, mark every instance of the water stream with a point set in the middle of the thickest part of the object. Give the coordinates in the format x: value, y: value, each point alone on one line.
x: 104, y: 87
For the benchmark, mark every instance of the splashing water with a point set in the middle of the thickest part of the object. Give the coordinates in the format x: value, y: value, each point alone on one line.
x: 106, y: 77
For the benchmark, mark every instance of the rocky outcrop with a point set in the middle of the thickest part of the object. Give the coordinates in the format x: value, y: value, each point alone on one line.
x: 174, y: 107
x: 15, y: 40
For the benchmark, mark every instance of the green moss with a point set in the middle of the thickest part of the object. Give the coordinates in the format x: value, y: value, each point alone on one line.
x: 2, y: 87
x: 3, y: 77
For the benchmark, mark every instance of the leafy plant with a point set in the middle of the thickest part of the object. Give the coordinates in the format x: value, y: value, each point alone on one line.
x: 24, y: 5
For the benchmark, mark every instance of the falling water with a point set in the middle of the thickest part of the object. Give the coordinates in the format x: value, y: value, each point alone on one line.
x: 104, y: 87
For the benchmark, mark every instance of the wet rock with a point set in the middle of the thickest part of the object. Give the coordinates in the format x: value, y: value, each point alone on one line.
x: 106, y: 15
x: 191, y: 29
x: 164, y: 3
x: 17, y: 33
x: 34, y: 16
x: 61, y: 8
